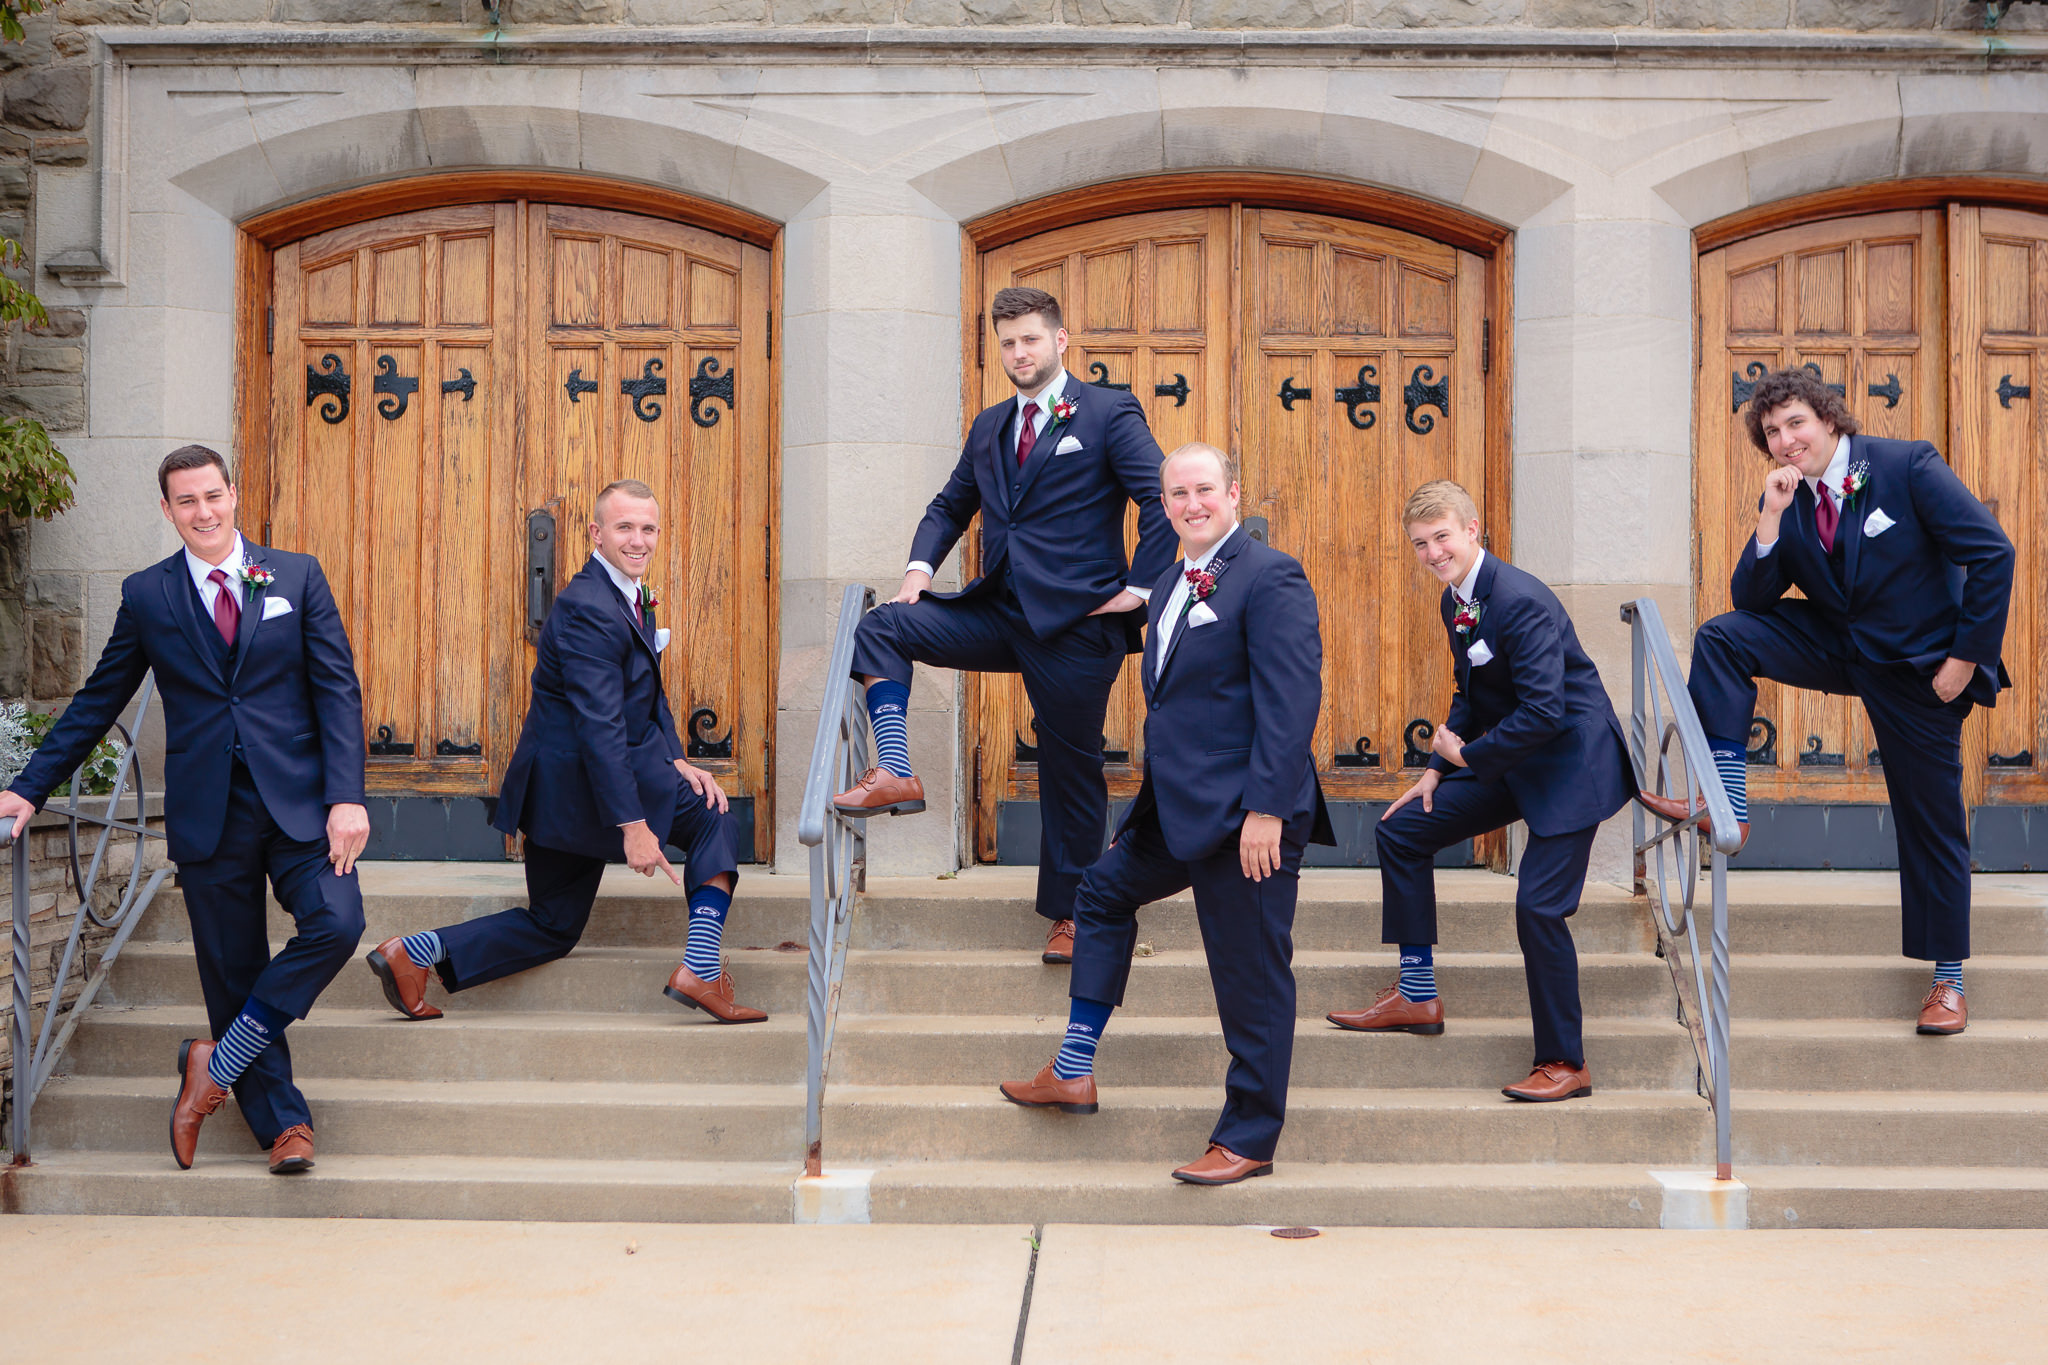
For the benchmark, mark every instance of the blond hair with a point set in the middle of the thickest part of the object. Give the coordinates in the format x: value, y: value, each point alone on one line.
x: 1437, y: 499
x: 632, y: 488
x: 1224, y: 460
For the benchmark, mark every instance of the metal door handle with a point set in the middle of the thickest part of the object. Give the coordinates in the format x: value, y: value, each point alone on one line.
x: 540, y: 569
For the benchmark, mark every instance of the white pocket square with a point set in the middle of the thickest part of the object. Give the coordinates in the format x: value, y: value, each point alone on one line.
x: 1200, y: 614
x: 1877, y: 523
x: 1479, y: 654
x: 275, y: 606
x: 660, y: 638
x: 1067, y: 446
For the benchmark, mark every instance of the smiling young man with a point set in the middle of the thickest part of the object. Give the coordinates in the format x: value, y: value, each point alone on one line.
x: 1233, y: 684
x: 1050, y: 471
x: 263, y: 778
x: 1906, y: 579
x: 598, y: 777
x: 1531, y: 736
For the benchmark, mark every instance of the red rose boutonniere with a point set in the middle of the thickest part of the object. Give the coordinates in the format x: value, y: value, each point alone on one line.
x: 1853, y: 483
x: 255, y: 578
x: 1467, y: 617
x: 1064, y: 410
x: 1201, y: 583
x: 648, y: 601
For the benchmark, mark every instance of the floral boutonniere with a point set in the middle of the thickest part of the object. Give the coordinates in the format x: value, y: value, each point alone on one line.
x: 1064, y: 410
x: 1467, y: 617
x: 648, y: 601
x: 255, y: 578
x: 1853, y: 483
x: 1201, y: 582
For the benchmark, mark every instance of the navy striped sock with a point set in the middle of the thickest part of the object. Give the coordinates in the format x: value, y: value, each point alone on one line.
x: 424, y: 948
x: 701, y: 952
x: 1085, y: 1021
x: 1731, y: 760
x: 1418, y: 972
x: 888, y: 702
x: 255, y: 1028
x: 1948, y: 974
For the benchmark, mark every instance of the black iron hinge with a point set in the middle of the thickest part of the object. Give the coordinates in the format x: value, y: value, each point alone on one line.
x: 771, y: 333
x: 1486, y: 346
x: 269, y: 331
x: 980, y: 341
x: 767, y: 559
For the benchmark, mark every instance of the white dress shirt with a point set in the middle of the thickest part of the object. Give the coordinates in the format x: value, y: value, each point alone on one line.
x: 1823, y: 487
x: 626, y: 586
x: 1169, y: 619
x: 1462, y: 589
x: 209, y: 592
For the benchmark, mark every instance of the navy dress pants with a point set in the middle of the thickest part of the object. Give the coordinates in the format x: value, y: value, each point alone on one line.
x: 1548, y: 886
x: 1919, y: 736
x: 1248, y: 934
x: 560, y: 889
x: 1068, y: 679
x: 230, y: 938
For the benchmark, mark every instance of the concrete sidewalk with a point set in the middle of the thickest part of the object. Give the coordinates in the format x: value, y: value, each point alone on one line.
x: 283, y: 1292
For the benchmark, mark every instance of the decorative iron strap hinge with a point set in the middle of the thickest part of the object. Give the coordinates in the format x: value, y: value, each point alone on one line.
x: 270, y: 331
x: 1099, y: 376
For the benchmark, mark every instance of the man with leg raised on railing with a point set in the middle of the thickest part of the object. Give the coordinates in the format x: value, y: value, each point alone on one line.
x: 1531, y: 736
x: 1050, y: 471
x: 1906, y: 579
x: 598, y: 777
x: 263, y: 777
x: 1233, y: 684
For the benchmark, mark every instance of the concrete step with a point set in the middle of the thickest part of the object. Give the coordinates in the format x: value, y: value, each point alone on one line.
x: 344, y: 1186
x: 1886, y: 1055
x: 982, y: 1050
x: 1870, y: 1128
x: 1896, y: 1196
x: 473, y: 1046
x: 591, y: 1120
x: 865, y: 1124
x: 1810, y: 986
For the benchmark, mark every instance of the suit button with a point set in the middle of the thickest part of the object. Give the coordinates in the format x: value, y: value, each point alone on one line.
x: 234, y: 701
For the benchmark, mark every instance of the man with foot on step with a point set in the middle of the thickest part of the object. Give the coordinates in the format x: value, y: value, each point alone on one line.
x: 1531, y: 736
x: 1233, y: 684
x: 1906, y: 579
x: 263, y: 779
x: 1050, y: 471
x: 598, y: 777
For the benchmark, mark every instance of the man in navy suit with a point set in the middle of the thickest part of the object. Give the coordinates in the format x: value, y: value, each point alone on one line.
x: 1531, y: 737
x: 1233, y: 684
x: 1050, y: 472
x: 1907, y: 578
x: 598, y: 777
x: 263, y: 777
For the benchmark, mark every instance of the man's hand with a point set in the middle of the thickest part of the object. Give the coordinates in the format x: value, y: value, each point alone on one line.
x: 1258, y: 846
x: 348, y: 829
x: 1779, y: 486
x: 1949, y: 682
x: 1125, y: 600
x: 704, y: 784
x: 1424, y: 791
x: 1446, y: 745
x: 643, y: 852
x: 914, y: 582
x: 15, y: 807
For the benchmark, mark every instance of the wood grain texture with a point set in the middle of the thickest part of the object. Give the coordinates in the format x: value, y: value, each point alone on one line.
x: 1918, y: 192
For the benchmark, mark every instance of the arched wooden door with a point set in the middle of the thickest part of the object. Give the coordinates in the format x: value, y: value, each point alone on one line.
x: 437, y: 376
x: 1345, y: 364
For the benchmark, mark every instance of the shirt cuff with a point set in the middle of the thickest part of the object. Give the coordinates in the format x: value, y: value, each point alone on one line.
x: 1764, y: 548
x: 1142, y: 594
x: 919, y: 566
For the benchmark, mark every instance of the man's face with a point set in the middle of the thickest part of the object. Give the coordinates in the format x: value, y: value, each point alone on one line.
x: 1031, y: 351
x: 201, y: 504
x: 1200, y: 501
x: 1799, y: 438
x: 1446, y: 548
x: 625, y: 533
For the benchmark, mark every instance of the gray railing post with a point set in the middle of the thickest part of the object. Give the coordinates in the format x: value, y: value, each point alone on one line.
x: 24, y: 1054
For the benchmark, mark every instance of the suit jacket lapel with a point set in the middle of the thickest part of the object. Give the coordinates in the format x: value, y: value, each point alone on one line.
x: 182, y: 600
x: 639, y: 628
x: 1851, y: 528
x: 1042, y: 450
x: 252, y: 609
x: 1155, y: 612
x: 1001, y: 465
x: 1224, y: 554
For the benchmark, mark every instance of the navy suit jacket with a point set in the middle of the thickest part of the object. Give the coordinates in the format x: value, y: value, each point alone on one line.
x: 1935, y: 583
x: 1055, y: 528
x: 1534, y: 717
x: 1230, y: 719
x: 598, y: 748
x: 287, y: 694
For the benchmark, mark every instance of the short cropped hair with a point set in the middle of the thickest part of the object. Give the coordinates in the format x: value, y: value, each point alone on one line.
x: 1019, y: 301
x: 190, y: 457
x: 1437, y: 499
x: 1224, y: 460
x: 1796, y: 385
x: 632, y: 488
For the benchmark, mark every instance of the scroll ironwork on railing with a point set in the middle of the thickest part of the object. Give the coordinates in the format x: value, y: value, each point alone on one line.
x: 36, y: 1055
x: 839, y: 857
x: 1669, y: 750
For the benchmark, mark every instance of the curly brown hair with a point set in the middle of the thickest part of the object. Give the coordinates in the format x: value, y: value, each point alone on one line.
x: 1796, y: 385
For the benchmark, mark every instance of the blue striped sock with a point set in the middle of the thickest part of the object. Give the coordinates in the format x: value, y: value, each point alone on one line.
x: 1418, y: 973
x: 701, y: 952
x: 424, y: 948
x: 1085, y: 1021
x: 1948, y: 974
x: 888, y: 702
x: 1731, y: 760
x: 255, y: 1028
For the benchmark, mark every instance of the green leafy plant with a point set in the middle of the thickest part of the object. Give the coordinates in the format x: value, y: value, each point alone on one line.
x: 12, y: 12
x: 22, y: 732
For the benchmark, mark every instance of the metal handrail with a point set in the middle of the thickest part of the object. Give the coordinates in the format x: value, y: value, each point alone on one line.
x: 839, y: 856
x: 36, y: 1057
x: 1657, y: 686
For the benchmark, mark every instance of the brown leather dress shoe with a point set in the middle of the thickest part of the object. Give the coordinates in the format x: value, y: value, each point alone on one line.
x: 713, y: 997
x: 880, y: 792
x: 1221, y: 1166
x: 1047, y: 1091
x: 198, y: 1097
x: 293, y: 1151
x: 1944, y: 1010
x: 1059, y: 943
x: 1552, y: 1081
x: 1391, y: 1012
x: 405, y: 981
x: 1673, y: 809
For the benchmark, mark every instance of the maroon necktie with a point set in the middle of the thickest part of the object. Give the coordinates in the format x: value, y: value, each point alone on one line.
x: 1825, y: 517
x: 227, y: 613
x: 1030, y: 436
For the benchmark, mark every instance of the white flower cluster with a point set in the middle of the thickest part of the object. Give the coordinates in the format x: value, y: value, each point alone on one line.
x: 17, y: 741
